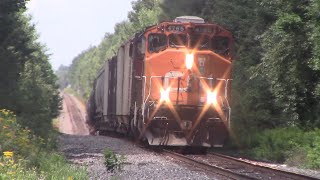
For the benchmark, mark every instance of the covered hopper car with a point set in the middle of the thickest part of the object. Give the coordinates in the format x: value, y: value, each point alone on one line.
x: 168, y: 85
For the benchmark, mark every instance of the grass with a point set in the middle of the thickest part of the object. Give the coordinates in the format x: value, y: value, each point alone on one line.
x: 56, y: 167
x: 49, y: 166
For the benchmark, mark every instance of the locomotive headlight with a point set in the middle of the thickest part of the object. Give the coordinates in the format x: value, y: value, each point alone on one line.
x: 211, y: 97
x: 165, y: 95
x: 189, y: 61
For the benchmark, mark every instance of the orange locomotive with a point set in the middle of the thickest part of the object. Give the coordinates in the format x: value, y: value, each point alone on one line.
x: 169, y: 85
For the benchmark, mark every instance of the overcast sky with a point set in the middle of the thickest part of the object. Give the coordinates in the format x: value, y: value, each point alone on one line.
x: 68, y: 27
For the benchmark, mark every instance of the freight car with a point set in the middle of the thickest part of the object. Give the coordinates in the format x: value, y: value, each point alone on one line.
x: 168, y: 85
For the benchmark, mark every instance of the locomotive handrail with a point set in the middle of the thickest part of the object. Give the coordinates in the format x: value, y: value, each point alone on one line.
x: 149, y: 93
x: 144, y: 87
x: 229, y: 110
x: 226, y: 81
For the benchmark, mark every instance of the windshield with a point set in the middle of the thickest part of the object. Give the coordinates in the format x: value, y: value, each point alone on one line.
x: 201, y: 42
x: 220, y: 45
x: 157, y: 42
x: 177, y: 40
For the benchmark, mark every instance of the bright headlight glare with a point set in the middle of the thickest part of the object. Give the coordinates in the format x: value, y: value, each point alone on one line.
x: 211, y: 97
x: 165, y: 94
x: 189, y: 61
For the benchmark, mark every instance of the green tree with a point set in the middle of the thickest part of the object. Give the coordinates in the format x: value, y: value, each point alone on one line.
x: 27, y: 82
x: 15, y: 48
x: 62, y: 75
x: 289, y: 61
x: 173, y: 9
x: 39, y: 100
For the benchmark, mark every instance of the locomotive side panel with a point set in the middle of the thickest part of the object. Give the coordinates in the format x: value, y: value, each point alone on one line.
x: 137, y: 70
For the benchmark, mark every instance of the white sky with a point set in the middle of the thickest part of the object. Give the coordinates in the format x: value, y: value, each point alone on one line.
x: 68, y: 27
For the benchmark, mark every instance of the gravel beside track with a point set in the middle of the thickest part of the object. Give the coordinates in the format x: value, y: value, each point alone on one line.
x: 139, y: 163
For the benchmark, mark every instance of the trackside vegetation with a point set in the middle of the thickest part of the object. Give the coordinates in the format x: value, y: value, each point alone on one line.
x: 290, y: 145
x: 27, y: 156
x: 29, y: 100
x: 113, y: 161
x: 276, y: 74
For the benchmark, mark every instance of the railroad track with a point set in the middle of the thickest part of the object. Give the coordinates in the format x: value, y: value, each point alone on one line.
x: 77, y: 121
x: 233, y: 168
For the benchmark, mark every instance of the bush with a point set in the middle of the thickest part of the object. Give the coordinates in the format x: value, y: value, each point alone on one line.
x: 113, y: 161
x: 14, y: 138
x: 291, y: 145
x: 313, y: 155
x: 26, y: 156
x: 273, y: 143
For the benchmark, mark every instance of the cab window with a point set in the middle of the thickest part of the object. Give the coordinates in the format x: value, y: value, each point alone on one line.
x: 220, y: 45
x: 201, y: 42
x: 157, y: 42
x: 177, y: 40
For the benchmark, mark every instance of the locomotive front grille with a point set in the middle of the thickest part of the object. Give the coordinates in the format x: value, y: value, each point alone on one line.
x: 186, y: 125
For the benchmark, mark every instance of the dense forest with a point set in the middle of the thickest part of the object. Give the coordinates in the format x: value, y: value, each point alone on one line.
x: 276, y: 74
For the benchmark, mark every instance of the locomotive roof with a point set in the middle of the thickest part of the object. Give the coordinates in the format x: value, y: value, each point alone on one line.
x: 193, y: 19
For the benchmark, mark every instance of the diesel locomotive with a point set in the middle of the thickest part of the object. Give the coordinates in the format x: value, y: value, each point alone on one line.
x: 168, y: 85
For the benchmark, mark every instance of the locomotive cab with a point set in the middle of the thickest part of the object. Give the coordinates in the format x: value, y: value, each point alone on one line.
x: 186, y: 83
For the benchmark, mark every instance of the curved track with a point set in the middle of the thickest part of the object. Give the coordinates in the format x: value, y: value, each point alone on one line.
x: 232, y: 168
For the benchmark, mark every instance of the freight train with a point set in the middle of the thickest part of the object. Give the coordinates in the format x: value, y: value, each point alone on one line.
x: 169, y: 85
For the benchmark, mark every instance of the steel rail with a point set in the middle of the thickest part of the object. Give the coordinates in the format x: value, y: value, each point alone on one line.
x: 264, y: 169
x: 207, y: 167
